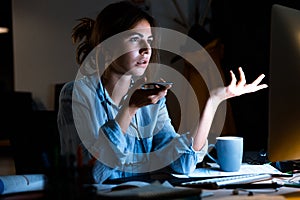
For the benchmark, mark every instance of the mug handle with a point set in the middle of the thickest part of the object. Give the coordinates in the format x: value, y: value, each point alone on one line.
x: 211, y: 146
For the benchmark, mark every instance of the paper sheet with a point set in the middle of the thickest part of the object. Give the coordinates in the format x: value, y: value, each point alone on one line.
x: 214, y: 170
x: 254, y: 197
x: 154, y: 190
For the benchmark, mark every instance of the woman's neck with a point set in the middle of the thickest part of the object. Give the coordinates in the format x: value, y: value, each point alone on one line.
x: 116, y: 86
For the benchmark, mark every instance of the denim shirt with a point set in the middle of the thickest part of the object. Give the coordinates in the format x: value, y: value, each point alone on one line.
x: 86, y: 121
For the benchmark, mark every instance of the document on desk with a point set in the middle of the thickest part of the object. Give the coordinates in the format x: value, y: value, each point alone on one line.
x: 253, y: 197
x: 22, y: 183
x: 150, y: 190
x: 214, y: 171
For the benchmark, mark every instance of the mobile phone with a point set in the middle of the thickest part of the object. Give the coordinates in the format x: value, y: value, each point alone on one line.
x: 154, y: 85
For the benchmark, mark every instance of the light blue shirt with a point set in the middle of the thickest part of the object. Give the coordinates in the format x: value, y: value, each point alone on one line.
x: 86, y: 120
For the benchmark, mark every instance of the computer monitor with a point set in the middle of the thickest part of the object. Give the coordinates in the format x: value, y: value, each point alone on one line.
x: 284, y: 85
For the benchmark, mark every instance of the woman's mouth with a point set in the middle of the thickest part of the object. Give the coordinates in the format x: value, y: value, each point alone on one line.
x: 142, y: 62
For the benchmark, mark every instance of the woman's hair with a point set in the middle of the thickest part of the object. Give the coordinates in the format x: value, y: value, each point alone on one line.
x: 113, y: 19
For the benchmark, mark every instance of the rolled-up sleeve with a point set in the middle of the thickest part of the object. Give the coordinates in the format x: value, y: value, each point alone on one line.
x: 111, y: 145
x: 188, y: 160
x: 175, y: 149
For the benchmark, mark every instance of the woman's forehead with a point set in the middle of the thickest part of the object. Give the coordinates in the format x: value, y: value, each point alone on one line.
x: 142, y: 26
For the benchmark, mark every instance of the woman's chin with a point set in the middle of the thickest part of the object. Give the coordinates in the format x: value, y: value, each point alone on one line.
x: 139, y: 72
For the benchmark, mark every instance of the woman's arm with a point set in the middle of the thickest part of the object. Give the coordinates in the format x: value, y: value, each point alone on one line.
x: 138, y: 98
x: 218, y: 95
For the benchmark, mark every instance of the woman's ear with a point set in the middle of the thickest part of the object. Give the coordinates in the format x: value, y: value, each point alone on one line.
x: 104, y: 55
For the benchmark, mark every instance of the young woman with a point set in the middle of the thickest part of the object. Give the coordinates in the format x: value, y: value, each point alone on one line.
x: 109, y: 121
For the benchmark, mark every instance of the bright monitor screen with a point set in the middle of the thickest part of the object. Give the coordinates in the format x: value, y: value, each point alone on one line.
x: 284, y: 85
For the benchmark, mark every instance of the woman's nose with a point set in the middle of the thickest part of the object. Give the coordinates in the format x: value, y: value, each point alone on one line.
x: 144, y: 51
x: 145, y: 48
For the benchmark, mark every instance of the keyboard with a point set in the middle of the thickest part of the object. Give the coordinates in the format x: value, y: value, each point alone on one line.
x: 223, y: 182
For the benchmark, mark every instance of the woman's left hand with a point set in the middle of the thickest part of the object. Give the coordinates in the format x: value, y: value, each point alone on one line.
x: 238, y: 88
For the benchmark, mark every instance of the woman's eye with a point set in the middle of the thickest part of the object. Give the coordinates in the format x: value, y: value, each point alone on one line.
x: 150, y: 41
x: 134, y: 39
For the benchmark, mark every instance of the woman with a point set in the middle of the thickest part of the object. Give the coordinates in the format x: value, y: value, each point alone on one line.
x: 113, y: 124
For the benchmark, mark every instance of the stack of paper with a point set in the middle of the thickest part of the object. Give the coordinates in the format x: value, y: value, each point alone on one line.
x: 214, y: 170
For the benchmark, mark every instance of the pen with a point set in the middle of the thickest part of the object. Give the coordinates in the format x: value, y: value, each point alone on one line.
x: 293, y: 172
x: 273, y: 185
x: 294, y: 185
x: 253, y: 186
x: 282, y: 175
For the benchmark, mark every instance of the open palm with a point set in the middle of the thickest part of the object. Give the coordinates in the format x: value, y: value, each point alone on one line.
x: 237, y: 88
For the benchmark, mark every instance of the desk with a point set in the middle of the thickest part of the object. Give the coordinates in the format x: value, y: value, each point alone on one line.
x: 69, y: 187
x: 227, y: 194
x: 289, y: 193
x: 221, y: 194
x: 258, y: 194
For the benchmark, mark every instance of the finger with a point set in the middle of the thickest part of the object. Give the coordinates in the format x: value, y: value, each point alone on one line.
x: 233, y: 78
x: 162, y: 80
x: 154, y: 99
x: 154, y: 91
x: 252, y: 88
x: 259, y: 87
x: 168, y: 87
x: 259, y: 79
x: 163, y: 93
x: 242, y: 81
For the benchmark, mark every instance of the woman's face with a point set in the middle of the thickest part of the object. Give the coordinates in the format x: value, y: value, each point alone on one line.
x: 137, y: 44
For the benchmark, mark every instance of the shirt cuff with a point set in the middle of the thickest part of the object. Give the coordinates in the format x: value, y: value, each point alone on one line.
x: 113, y: 133
x: 201, y: 153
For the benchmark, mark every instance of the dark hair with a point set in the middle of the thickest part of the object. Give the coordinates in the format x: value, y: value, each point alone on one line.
x: 113, y: 19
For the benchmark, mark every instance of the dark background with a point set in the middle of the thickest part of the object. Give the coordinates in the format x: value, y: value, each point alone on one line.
x: 244, y: 27
x: 6, y: 47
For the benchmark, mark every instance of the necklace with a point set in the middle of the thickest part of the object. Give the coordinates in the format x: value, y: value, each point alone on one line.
x: 136, y: 127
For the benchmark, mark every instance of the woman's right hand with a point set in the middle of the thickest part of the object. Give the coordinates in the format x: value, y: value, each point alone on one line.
x: 139, y: 97
x: 136, y: 99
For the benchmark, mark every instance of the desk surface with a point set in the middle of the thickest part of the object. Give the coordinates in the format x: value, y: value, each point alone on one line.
x: 66, y: 188
x: 290, y: 193
x: 220, y: 194
x: 228, y: 194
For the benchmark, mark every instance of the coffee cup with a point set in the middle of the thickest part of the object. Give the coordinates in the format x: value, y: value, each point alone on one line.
x: 229, y: 151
